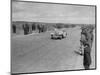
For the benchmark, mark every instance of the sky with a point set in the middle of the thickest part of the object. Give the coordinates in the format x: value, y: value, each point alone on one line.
x: 52, y: 13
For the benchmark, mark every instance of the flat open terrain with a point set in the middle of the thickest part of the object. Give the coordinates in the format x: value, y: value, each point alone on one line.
x: 38, y: 53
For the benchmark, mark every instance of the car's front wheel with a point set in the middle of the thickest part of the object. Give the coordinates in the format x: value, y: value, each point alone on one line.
x: 51, y: 36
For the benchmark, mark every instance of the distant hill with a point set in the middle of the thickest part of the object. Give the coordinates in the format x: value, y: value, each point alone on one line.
x: 44, y: 23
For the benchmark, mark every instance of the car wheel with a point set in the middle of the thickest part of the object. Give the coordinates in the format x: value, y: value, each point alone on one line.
x: 51, y: 37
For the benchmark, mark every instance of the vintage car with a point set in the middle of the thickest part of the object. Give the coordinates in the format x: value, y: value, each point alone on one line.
x: 58, y: 34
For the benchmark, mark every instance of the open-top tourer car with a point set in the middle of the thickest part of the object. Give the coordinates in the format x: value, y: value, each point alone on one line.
x: 58, y: 34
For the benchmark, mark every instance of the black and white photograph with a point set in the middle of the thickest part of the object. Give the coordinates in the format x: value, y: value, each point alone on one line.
x: 52, y: 37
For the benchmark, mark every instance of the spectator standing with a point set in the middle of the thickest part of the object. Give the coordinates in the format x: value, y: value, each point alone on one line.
x: 87, y: 57
x: 14, y: 28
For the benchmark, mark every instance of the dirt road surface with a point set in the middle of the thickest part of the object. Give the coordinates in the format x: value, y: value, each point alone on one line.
x: 38, y: 53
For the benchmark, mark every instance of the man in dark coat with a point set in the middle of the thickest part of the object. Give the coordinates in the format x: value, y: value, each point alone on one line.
x: 87, y: 56
x: 26, y: 29
x: 14, y: 28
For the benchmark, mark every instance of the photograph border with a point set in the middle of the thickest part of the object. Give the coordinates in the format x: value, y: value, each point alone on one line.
x: 58, y: 4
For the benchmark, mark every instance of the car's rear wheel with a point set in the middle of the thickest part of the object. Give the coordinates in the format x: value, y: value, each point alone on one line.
x: 60, y: 37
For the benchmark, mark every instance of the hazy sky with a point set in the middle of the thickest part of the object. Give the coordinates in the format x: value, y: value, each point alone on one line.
x: 41, y: 12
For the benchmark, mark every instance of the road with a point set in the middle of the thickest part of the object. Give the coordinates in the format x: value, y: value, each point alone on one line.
x: 38, y: 53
